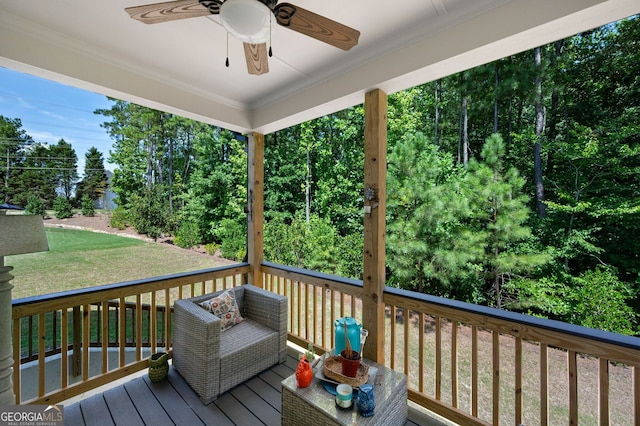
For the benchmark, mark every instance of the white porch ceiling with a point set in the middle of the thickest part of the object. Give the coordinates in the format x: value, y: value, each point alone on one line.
x: 179, y: 66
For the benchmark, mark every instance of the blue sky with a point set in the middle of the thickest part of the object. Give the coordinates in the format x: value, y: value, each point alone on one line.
x: 51, y: 111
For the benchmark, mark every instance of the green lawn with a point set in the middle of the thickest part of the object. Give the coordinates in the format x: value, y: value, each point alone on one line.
x: 78, y: 259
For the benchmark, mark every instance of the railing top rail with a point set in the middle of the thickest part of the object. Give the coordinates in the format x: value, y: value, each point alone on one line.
x: 630, y: 342
x: 315, y: 274
x: 118, y: 286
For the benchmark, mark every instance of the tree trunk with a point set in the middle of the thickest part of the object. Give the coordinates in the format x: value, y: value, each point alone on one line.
x: 437, y: 115
x: 540, y: 123
x: 170, y: 178
x: 495, y: 100
x: 555, y: 96
x: 307, y: 189
x: 150, y: 168
x: 460, y: 124
x: 465, y: 132
x: 510, y: 122
x: 497, y: 285
x: 555, y: 113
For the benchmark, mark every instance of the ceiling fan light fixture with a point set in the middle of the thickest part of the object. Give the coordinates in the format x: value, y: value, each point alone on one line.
x: 246, y: 20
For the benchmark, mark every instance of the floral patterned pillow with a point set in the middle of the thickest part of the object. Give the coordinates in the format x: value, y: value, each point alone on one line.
x: 224, y: 307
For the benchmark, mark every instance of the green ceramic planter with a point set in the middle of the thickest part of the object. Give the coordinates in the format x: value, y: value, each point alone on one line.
x: 158, y: 366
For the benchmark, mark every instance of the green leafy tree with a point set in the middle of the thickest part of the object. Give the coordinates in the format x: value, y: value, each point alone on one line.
x: 14, y: 142
x: 38, y: 176
x: 87, y: 205
x: 429, y: 246
x: 62, y: 207
x: 233, y: 235
x: 600, y: 300
x: 339, y: 171
x: 64, y: 163
x: 150, y: 147
x: 216, y: 190
x: 188, y: 234
x: 304, y: 244
x: 316, y: 168
x: 35, y: 206
x: 349, y: 257
x: 284, y: 241
x: 501, y: 213
x: 596, y: 159
x: 119, y: 218
x: 148, y: 213
x: 129, y: 128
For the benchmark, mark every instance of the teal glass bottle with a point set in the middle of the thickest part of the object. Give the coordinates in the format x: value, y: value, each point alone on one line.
x: 353, y: 331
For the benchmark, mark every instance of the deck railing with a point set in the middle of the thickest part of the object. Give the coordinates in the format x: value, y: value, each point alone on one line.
x: 471, y: 364
x: 111, y: 314
x: 478, y: 365
x: 30, y: 334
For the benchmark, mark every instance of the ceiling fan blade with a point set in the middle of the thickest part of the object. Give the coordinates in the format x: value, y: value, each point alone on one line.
x: 167, y: 11
x: 256, y: 56
x: 316, y: 26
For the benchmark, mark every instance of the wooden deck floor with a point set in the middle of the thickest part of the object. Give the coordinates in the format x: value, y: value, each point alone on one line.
x: 173, y: 402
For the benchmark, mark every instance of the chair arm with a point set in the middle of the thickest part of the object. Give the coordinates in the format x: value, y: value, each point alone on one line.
x: 269, y: 309
x: 196, y: 347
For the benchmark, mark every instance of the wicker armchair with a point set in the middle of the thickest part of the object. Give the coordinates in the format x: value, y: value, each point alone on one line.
x: 212, y: 361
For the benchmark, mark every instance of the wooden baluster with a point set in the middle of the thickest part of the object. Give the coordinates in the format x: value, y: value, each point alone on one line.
x: 518, y: 381
x: 406, y: 342
x: 496, y: 378
x: 603, y: 391
x: 454, y: 363
x: 544, y: 385
x: 573, y: 387
x: 636, y: 394
x: 86, y: 328
x: 122, y: 333
x: 421, y: 352
x: 64, y: 348
x: 76, y: 355
x: 153, y: 317
x: 474, y: 371
x: 139, y: 325
x: 105, y: 335
x: 392, y: 343
x: 438, y: 372
x: 41, y: 354
x: 323, y: 313
x: 167, y: 320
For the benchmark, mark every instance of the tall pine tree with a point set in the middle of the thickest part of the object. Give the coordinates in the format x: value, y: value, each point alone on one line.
x: 94, y: 183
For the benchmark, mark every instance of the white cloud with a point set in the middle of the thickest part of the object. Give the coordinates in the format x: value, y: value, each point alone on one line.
x: 47, y: 137
x: 53, y: 115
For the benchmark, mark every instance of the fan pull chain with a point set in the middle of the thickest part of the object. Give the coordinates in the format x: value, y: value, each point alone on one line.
x: 227, y: 61
x: 270, y: 51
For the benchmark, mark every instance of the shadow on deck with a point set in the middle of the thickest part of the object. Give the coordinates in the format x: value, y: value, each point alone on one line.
x: 172, y: 402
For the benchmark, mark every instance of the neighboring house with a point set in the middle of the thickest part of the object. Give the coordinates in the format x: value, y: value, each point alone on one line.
x: 107, y: 201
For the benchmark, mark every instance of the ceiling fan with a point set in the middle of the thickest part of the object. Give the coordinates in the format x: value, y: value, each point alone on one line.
x: 250, y: 22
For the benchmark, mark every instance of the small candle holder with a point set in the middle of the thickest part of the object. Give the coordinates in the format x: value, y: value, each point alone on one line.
x: 344, y: 396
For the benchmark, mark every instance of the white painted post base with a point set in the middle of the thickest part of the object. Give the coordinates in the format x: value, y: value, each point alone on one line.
x: 7, y: 397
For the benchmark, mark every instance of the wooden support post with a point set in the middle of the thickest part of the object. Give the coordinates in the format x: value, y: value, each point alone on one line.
x: 375, y: 203
x: 255, y: 212
x: 76, y: 354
